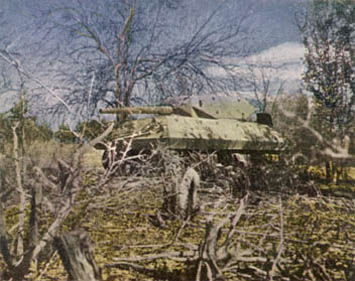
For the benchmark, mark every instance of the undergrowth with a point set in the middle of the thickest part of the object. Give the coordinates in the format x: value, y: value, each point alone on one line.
x: 318, y: 237
x: 303, y: 232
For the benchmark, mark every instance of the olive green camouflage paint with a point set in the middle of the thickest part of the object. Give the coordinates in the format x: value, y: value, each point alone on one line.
x: 208, y: 128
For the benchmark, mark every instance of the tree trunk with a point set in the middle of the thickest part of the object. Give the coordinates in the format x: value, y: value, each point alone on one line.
x: 181, y: 198
x: 328, y: 171
x: 75, y: 252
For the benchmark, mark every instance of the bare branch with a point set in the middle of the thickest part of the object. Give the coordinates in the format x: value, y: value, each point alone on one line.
x: 281, y: 244
x: 15, y: 63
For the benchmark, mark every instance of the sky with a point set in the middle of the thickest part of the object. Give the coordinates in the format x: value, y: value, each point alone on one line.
x: 272, y: 21
x: 275, y: 16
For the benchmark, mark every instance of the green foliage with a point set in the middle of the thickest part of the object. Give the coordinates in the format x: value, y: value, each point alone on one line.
x: 65, y: 135
x: 84, y: 131
x: 90, y: 129
x: 29, y: 130
x: 5, y: 131
x: 311, y: 141
x: 328, y: 36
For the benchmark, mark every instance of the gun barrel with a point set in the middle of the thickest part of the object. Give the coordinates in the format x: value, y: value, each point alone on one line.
x: 161, y: 110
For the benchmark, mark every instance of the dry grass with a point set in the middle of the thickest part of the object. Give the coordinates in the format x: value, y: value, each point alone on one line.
x: 92, y: 158
x: 318, y: 229
x: 46, y: 154
x: 352, y: 173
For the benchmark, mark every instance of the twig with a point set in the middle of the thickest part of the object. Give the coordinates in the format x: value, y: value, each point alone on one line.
x: 281, y: 243
x: 175, y: 255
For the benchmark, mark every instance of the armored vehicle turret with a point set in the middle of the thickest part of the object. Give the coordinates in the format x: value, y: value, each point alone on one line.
x: 224, y: 128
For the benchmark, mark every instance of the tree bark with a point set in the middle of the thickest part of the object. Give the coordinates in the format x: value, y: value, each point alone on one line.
x: 75, y: 252
x: 187, y: 193
x: 20, y: 189
x: 181, y: 198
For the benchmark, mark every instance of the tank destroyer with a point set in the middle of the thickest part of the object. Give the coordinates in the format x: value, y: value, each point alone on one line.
x: 215, y: 127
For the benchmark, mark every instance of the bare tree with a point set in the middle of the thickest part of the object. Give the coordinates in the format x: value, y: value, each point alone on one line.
x: 7, y: 83
x: 136, y: 51
x: 309, y: 143
x: 24, y: 73
x: 328, y: 30
x: 54, y: 193
x: 31, y: 186
x: 263, y: 82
